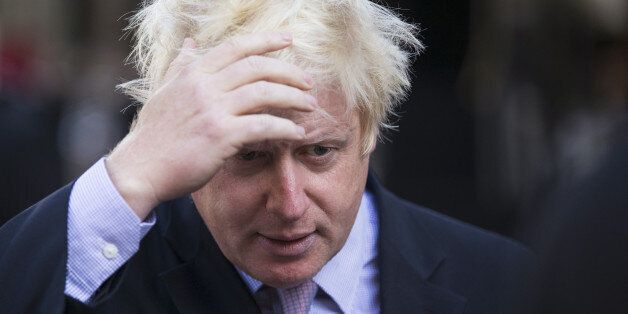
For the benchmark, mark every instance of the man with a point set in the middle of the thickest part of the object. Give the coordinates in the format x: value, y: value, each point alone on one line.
x: 266, y: 113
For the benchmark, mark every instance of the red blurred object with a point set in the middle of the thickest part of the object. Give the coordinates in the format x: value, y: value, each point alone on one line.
x: 16, y: 63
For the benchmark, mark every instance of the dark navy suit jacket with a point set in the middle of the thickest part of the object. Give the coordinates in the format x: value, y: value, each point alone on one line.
x: 428, y: 263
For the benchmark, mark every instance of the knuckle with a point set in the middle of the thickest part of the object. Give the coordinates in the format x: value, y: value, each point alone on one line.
x: 212, y: 128
x: 232, y: 44
x: 262, y: 90
x: 200, y: 92
x: 197, y: 90
x: 255, y: 63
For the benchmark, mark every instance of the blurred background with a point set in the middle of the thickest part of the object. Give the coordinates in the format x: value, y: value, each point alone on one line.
x: 512, y: 100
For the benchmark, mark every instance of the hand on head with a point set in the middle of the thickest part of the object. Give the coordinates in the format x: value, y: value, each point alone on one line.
x: 207, y: 109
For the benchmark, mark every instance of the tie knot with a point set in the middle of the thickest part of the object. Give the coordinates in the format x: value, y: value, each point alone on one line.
x: 297, y: 300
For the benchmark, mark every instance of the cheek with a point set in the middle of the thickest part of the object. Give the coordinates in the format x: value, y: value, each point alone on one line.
x: 227, y: 204
x: 347, y: 180
x: 339, y: 191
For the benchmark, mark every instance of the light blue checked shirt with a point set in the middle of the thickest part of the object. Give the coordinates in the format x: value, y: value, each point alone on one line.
x: 104, y: 232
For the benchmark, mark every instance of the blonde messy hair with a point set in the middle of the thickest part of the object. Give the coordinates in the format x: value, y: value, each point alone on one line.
x: 357, y: 45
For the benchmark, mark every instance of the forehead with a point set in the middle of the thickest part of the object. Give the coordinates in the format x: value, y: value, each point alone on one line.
x: 331, y: 117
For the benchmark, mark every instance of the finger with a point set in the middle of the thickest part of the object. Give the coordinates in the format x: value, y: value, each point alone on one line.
x: 263, y: 127
x: 253, y: 98
x: 240, y: 47
x: 257, y: 68
x: 185, y: 57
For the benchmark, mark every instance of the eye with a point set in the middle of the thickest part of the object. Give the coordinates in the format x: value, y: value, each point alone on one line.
x: 319, y: 156
x: 318, y: 150
x: 321, y: 150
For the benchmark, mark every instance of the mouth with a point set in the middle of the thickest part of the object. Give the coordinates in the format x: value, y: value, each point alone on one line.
x: 287, y: 246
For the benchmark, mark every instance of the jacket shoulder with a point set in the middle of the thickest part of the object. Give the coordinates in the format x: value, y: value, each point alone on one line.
x: 33, y: 257
x: 490, y: 270
x: 471, y: 244
x: 460, y: 234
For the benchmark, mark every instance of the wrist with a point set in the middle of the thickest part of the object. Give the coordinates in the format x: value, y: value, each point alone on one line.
x: 134, y: 189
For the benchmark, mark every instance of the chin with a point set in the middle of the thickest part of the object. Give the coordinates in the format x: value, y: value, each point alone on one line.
x: 287, y: 274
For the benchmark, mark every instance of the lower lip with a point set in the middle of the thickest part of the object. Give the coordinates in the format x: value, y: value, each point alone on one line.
x: 293, y: 248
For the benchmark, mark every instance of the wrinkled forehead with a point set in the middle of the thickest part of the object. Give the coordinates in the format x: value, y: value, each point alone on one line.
x: 332, y: 118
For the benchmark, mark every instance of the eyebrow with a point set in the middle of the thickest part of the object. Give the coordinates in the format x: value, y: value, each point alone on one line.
x: 332, y: 138
x: 323, y: 137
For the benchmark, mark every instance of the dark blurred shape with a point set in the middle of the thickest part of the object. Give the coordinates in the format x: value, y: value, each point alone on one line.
x: 59, y: 112
x: 548, y: 87
x: 29, y: 164
x: 30, y: 167
x: 584, y: 244
x: 511, y: 100
x: 430, y: 160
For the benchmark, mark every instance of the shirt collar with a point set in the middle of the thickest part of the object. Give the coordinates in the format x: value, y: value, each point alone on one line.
x: 251, y: 282
x: 340, y: 277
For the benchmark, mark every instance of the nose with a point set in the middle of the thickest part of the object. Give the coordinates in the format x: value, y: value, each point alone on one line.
x: 287, y: 198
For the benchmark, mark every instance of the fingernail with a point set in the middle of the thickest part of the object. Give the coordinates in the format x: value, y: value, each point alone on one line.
x: 188, y: 43
x: 312, y: 100
x: 300, y: 130
x: 286, y: 36
x: 309, y: 80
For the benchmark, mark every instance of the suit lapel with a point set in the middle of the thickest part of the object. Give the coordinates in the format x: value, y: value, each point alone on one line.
x: 206, y: 282
x: 408, y: 257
